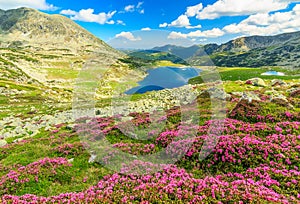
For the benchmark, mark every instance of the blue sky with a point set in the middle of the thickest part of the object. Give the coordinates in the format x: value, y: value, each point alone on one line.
x: 196, y: 21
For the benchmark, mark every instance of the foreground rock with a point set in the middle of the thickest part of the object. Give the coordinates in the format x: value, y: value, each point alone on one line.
x: 29, y: 127
x: 278, y: 82
x: 158, y: 100
x: 281, y: 100
x: 215, y: 93
x: 250, y: 96
x: 295, y: 93
x: 256, y: 82
x: 3, y: 143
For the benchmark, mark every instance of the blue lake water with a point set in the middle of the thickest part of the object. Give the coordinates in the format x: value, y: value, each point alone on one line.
x: 273, y: 73
x: 165, y: 77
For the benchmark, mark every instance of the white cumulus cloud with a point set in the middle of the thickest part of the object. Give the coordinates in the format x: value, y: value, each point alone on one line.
x: 146, y: 29
x: 193, y: 27
x: 139, y: 5
x: 242, y: 8
x: 192, y: 11
x: 68, y: 12
x: 262, y: 18
x: 177, y: 35
x: 181, y: 21
x: 213, y: 33
x: 128, y: 36
x: 163, y: 25
x: 88, y: 15
x: 129, y: 8
x: 267, y: 24
x: 120, y: 22
x: 36, y: 4
x: 111, y: 22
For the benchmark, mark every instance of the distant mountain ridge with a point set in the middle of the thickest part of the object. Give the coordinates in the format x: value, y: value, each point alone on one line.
x: 253, y: 51
x: 183, y: 52
x: 253, y: 42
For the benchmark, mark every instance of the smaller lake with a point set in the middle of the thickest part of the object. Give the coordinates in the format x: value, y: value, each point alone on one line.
x: 165, y: 78
x: 273, y: 73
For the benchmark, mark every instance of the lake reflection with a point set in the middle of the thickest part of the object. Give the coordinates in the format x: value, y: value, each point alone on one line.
x: 165, y: 77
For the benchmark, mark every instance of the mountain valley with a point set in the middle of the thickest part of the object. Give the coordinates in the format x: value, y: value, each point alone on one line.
x: 70, y: 134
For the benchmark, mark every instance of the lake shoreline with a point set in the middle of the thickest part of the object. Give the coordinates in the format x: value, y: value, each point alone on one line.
x: 165, y: 77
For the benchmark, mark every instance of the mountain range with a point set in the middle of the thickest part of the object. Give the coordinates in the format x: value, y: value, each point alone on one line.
x: 50, y: 50
x: 253, y: 51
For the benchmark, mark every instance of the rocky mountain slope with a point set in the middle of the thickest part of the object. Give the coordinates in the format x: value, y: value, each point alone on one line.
x: 29, y: 26
x: 253, y: 51
x: 254, y: 42
x: 48, y: 49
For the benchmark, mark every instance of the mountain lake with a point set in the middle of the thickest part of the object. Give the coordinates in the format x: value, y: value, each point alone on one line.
x: 165, y: 78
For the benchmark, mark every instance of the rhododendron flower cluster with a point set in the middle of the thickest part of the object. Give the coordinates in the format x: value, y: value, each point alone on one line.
x: 257, y: 185
x: 24, y: 174
x: 250, y: 157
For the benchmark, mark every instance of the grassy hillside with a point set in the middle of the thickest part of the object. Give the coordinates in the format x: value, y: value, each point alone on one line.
x: 258, y: 151
x: 242, y: 73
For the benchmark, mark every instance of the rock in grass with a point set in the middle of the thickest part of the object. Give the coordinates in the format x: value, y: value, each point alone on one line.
x: 71, y: 160
x: 237, y: 93
x: 18, y: 140
x: 3, y: 143
x: 250, y: 96
x: 281, y: 100
x: 256, y: 82
x: 278, y: 82
x: 295, y: 93
x: 215, y: 93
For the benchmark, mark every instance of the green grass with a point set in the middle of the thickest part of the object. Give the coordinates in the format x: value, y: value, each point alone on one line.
x: 54, y: 73
x: 68, y: 179
x: 17, y: 86
x: 164, y: 63
x: 21, y: 104
x: 231, y: 86
x: 238, y: 73
x: 48, y: 56
x: 5, y: 62
x: 23, y: 110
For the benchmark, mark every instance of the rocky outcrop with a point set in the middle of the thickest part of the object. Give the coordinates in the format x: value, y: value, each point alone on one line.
x: 215, y: 93
x: 3, y: 143
x: 295, y: 93
x: 278, y: 82
x: 256, y: 82
x: 280, y: 99
x: 250, y: 96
